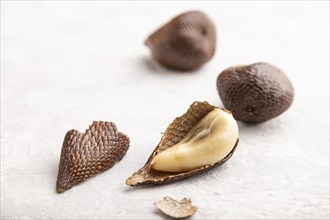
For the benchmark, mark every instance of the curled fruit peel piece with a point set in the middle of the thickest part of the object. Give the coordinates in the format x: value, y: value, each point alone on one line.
x: 175, y: 132
x: 86, y: 154
x: 176, y: 209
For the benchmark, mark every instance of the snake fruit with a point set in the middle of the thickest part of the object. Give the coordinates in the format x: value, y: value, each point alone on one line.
x: 202, y: 138
x: 255, y: 93
x: 185, y: 43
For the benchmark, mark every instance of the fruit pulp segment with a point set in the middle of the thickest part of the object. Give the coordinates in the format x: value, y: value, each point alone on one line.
x: 208, y: 142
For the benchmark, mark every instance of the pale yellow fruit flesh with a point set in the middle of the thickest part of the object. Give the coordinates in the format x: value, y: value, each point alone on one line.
x: 208, y: 142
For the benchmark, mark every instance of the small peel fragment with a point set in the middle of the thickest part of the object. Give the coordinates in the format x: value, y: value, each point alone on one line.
x: 176, y: 209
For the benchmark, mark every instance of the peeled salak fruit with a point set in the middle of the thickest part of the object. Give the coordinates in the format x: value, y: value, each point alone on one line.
x: 202, y: 138
x: 185, y: 43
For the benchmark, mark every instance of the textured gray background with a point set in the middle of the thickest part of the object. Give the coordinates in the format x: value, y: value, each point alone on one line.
x: 65, y: 64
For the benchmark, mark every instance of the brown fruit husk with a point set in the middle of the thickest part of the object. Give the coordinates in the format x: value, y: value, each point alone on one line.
x: 255, y: 93
x: 175, y: 132
x: 86, y: 154
x: 185, y: 43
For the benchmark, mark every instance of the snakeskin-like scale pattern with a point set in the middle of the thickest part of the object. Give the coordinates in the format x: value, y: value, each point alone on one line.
x: 175, y: 132
x: 87, y: 154
x: 185, y: 43
x: 255, y: 93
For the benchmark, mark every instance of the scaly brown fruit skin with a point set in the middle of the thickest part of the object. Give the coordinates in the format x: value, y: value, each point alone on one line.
x: 255, y: 93
x: 86, y: 154
x: 185, y: 43
x: 174, y: 133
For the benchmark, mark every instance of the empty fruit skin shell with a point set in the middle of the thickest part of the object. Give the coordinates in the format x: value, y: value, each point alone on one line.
x: 174, y: 133
x: 185, y: 43
x: 255, y: 93
x: 86, y: 154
